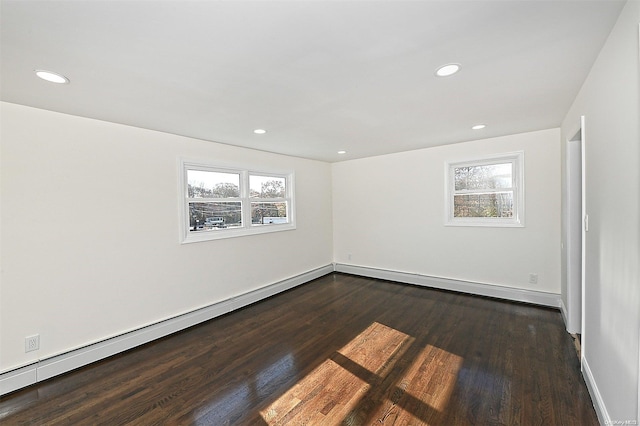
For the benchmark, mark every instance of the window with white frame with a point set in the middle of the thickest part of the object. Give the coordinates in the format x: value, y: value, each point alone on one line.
x: 221, y: 202
x: 485, y: 191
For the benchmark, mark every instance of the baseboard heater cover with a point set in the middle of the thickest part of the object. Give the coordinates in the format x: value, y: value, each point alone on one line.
x: 44, y: 369
x: 499, y: 292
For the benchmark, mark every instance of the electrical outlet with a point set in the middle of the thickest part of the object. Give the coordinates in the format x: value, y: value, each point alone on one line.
x: 32, y: 343
x: 533, y: 278
x: 349, y: 256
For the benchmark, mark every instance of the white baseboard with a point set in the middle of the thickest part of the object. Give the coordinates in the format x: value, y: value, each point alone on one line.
x: 44, y: 369
x: 499, y: 292
x: 18, y: 378
x: 596, y: 397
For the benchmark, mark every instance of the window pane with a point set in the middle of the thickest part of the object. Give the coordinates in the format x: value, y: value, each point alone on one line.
x: 269, y: 213
x: 267, y: 186
x: 483, y: 177
x: 498, y: 204
x: 208, y: 216
x: 203, y: 184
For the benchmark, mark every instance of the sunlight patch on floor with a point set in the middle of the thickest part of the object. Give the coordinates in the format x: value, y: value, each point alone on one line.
x: 430, y: 379
x: 332, y: 391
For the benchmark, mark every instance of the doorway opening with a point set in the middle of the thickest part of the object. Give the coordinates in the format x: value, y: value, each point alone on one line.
x: 576, y: 226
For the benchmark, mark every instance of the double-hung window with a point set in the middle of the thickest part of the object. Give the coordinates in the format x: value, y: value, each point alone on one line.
x: 485, y: 191
x: 222, y: 202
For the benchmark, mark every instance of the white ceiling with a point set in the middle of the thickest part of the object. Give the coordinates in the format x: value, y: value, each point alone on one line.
x: 320, y: 76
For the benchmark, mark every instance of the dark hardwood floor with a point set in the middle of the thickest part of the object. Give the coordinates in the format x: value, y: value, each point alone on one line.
x: 338, y: 350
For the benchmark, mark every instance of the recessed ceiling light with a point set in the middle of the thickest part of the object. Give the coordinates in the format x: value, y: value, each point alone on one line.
x: 342, y: 152
x: 52, y: 77
x: 259, y: 131
x: 447, y: 70
x: 479, y: 126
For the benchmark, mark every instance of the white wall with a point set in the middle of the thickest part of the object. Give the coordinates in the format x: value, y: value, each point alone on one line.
x: 609, y: 101
x: 389, y: 214
x: 89, y: 231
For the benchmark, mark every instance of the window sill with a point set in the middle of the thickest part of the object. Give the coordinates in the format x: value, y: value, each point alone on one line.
x: 197, y: 237
x: 485, y: 223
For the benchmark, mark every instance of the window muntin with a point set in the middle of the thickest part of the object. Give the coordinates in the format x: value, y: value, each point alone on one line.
x: 223, y: 203
x: 486, y: 192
